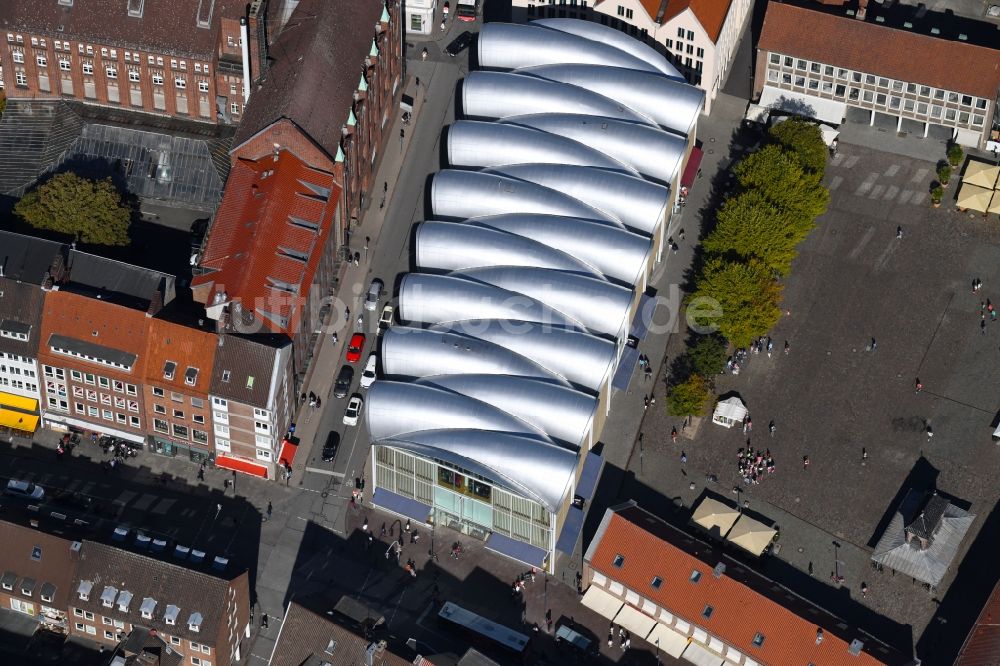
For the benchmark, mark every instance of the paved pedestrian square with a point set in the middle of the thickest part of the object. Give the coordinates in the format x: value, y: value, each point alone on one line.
x: 833, y: 398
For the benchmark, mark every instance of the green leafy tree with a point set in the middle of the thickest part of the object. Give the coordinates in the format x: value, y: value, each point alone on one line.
x: 782, y: 180
x: 689, y: 397
x: 749, y: 225
x: 937, y: 193
x: 90, y: 210
x: 944, y: 174
x: 708, y: 355
x: 805, y: 140
x: 748, y: 296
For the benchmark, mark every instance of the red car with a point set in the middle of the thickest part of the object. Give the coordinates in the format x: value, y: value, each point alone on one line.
x: 354, y: 347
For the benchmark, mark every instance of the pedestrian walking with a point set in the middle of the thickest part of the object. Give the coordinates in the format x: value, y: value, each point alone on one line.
x: 402, y: 135
x: 770, y: 427
x: 673, y: 434
x: 382, y: 532
x: 770, y: 347
x: 982, y: 326
x: 864, y: 455
x: 675, y: 248
x: 993, y: 315
x: 930, y: 431
x: 919, y: 385
x: 263, y: 621
x: 864, y: 590
x: 899, y: 232
x: 645, y: 401
x: 364, y: 526
x: 201, y: 474
x: 681, y: 234
x: 787, y: 346
x: 270, y: 509
x: 874, y: 345
x: 225, y: 484
x: 357, y: 258
x: 385, y: 184
x: 684, y: 457
x: 649, y: 373
x: 805, y: 462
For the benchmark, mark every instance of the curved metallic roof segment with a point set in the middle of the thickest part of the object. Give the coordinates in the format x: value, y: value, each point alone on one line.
x: 639, y: 204
x: 500, y: 94
x: 464, y: 194
x: 600, y: 306
x: 529, y: 467
x: 451, y: 246
x: 474, y: 143
x: 561, y: 413
x: 435, y: 299
x: 582, y: 359
x: 608, y: 35
x: 509, y: 46
x: 619, y: 254
x: 674, y: 105
x: 651, y: 151
x: 397, y: 408
x: 417, y: 352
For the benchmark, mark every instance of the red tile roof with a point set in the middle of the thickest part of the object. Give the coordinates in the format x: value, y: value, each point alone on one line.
x: 99, y: 322
x: 877, y: 49
x: 982, y: 647
x: 710, y: 13
x: 186, y: 347
x: 740, y: 611
x: 261, y: 251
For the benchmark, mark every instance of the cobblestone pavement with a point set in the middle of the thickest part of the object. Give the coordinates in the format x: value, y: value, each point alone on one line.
x: 830, y: 398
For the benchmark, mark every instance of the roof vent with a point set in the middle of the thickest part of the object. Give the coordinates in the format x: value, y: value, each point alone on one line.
x: 719, y: 569
x: 880, y: 19
x: 855, y: 647
x: 134, y: 7
x: 66, y: 3
x: 819, y: 635
x: 935, y: 31
x: 907, y: 25
x: 963, y: 37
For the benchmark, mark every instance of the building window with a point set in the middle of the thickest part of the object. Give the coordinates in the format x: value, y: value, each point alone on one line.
x: 133, y: 76
x: 220, y: 402
x: 223, y: 445
x: 88, y: 69
x: 775, y: 58
x: 234, y: 108
x: 690, y: 35
x: 263, y: 454
x: 18, y: 57
x: 180, y: 83
x: 758, y: 639
x: 159, y: 409
x: 130, y: 389
x: 42, y: 61
x: 197, y: 403
x: 657, y: 582
x: 160, y: 425
x: 199, y: 436
x: 180, y: 431
x: 198, y: 418
x: 618, y: 561
x: 134, y: 421
x: 203, y: 86
x: 157, y: 79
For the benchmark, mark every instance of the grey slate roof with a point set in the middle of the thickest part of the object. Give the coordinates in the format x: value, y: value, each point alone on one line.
x: 20, y: 305
x: 26, y: 258
x: 90, y: 349
x: 33, y: 133
x: 316, y: 65
x: 243, y: 359
x: 116, y: 277
x: 167, y: 27
x: 192, y: 591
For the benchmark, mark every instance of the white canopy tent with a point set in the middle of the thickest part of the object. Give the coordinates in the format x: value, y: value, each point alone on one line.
x: 667, y: 639
x: 701, y: 656
x: 601, y: 602
x: 729, y: 412
x: 635, y: 621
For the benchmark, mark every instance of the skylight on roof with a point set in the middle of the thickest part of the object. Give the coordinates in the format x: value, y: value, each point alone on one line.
x: 619, y: 560
x: 695, y: 576
x: 758, y: 639
x: 657, y: 582
x: 707, y: 612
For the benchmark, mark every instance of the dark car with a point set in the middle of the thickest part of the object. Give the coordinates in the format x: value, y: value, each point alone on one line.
x: 331, y: 446
x: 343, y: 383
x: 458, y: 44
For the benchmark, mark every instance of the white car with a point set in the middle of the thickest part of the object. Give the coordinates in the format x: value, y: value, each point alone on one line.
x: 353, y: 411
x: 24, y: 490
x: 385, y: 321
x: 368, y: 374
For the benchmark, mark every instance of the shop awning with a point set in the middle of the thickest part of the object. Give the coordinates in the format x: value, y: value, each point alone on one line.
x: 701, y: 656
x: 517, y: 550
x: 287, y: 454
x: 18, y: 402
x: 799, y: 104
x: 601, y: 602
x: 403, y: 506
x: 643, y: 317
x: 635, y: 621
x: 626, y: 366
x: 589, y: 475
x: 691, y: 170
x: 245, y: 466
x: 18, y: 420
x: 995, y: 205
x: 668, y: 640
x: 570, y: 533
x: 751, y: 535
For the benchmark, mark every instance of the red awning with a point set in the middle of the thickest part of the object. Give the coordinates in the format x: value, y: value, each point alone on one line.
x: 287, y: 454
x: 245, y: 466
x: 691, y: 170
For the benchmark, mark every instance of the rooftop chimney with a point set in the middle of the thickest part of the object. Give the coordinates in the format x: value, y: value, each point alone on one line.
x: 862, y: 10
x: 155, y: 304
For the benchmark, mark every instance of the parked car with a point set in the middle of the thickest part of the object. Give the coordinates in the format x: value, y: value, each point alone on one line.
x: 24, y: 490
x: 458, y: 44
x: 343, y: 382
x: 374, y: 294
x: 368, y: 374
x: 353, y: 411
x: 385, y: 320
x: 354, y: 347
x: 331, y: 446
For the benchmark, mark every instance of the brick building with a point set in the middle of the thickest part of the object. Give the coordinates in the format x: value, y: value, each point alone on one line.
x: 179, y: 364
x: 203, y: 614
x: 37, y: 574
x: 680, y: 595
x: 183, y: 59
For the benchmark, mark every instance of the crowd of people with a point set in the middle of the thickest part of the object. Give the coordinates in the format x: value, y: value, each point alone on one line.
x: 754, y: 464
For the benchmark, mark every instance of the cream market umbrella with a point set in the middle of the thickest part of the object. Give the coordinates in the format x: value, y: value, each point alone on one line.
x: 995, y: 206
x: 751, y: 535
x: 981, y: 174
x: 715, y: 516
x: 972, y: 197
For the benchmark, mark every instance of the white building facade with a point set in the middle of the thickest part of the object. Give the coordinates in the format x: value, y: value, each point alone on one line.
x: 421, y: 17
x: 699, y: 40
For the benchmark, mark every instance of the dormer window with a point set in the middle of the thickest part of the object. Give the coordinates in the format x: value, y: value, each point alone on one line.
x: 191, y: 376
x: 170, y: 615
x: 124, y: 599
x: 28, y: 587
x: 108, y: 596
x: 146, y: 609
x: 168, y: 369
x: 84, y: 590
x: 194, y: 622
